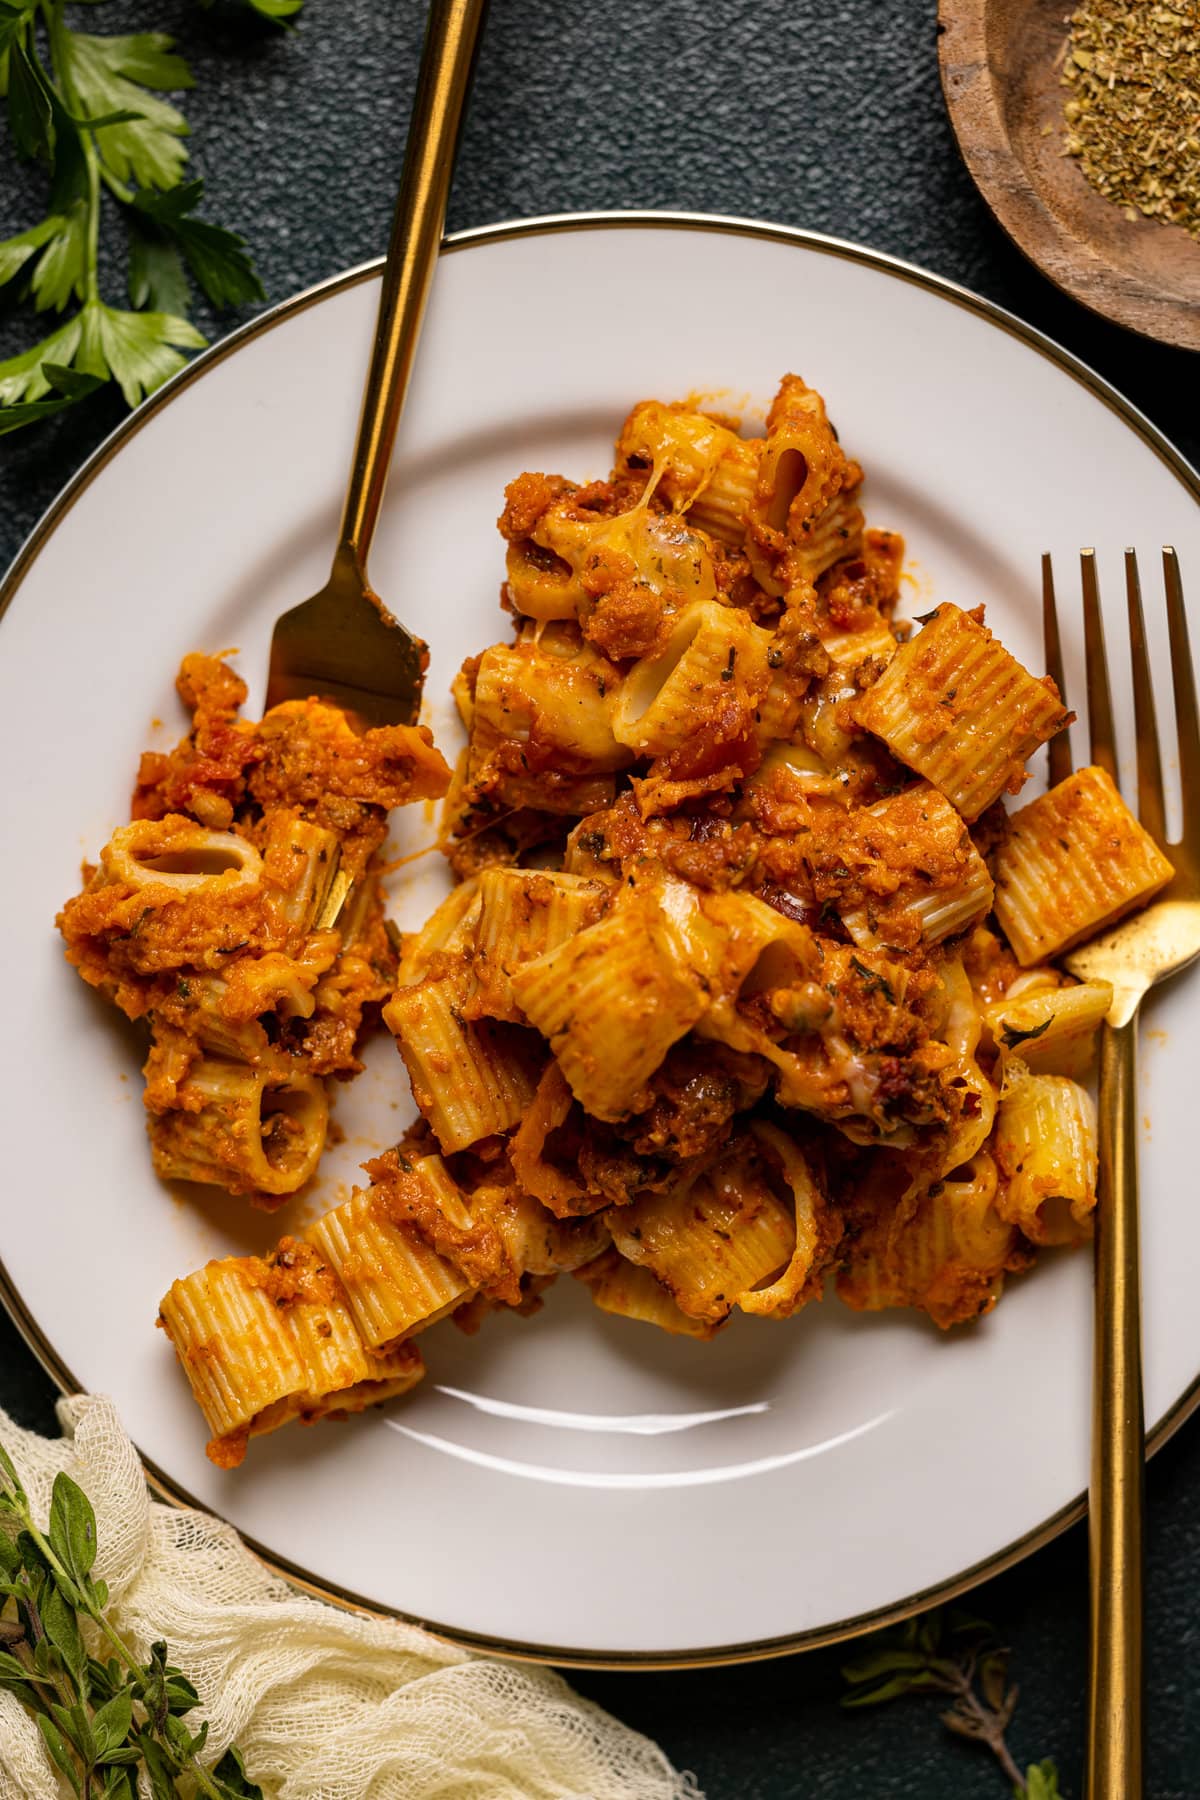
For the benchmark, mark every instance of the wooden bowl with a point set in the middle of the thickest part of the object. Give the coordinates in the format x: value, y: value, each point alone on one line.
x: 1001, y: 64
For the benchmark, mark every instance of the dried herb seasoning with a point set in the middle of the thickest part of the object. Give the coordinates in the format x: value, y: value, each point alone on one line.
x: 1133, y: 119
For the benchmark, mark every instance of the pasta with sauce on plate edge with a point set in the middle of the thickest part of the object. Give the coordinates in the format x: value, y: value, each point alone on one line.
x: 714, y: 1014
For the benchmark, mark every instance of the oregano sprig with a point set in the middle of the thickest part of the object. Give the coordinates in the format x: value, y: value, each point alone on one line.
x: 90, y: 109
x: 103, y: 1713
x: 957, y: 1656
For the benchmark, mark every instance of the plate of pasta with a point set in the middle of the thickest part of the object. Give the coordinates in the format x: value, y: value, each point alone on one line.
x: 638, y: 1117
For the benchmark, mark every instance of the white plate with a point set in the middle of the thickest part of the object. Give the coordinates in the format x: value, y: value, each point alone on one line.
x: 572, y: 1486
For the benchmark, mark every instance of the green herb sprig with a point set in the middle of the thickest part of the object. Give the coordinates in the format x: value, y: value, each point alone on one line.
x: 961, y: 1657
x: 107, y: 1716
x: 90, y: 109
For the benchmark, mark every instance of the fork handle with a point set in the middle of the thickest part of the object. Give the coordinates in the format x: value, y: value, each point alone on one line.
x: 1114, y: 1748
x: 451, y: 36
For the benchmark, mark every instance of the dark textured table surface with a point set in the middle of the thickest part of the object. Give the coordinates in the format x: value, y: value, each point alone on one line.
x: 826, y: 116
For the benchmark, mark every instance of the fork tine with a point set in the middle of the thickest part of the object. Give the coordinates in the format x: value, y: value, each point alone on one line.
x: 1059, y: 748
x: 1187, y: 715
x: 1151, y: 806
x: 1099, y: 695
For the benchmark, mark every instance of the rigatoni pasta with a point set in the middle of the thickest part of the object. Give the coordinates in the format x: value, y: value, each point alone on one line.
x: 739, y: 997
x: 956, y: 707
x: 1073, y: 861
x: 240, y: 914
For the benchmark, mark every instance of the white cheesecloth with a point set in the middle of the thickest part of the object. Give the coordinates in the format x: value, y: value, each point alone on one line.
x: 324, y: 1704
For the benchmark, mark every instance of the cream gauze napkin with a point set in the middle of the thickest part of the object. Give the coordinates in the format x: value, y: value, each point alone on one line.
x: 324, y: 1704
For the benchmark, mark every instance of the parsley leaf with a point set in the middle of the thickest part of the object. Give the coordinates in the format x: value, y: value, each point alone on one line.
x: 62, y: 266
x: 15, y: 252
x: 111, y: 76
x: 157, y: 277
x: 30, y: 115
x: 139, y: 349
x: 64, y: 387
x: 217, y: 258
x: 24, y: 377
x: 1012, y: 1035
x: 89, y: 108
x: 873, y: 979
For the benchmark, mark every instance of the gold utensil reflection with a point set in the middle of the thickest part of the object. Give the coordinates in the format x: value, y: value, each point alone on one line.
x: 343, y: 644
x: 1134, y: 956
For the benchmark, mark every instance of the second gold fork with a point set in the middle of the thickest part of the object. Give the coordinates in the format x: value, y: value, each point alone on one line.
x: 1134, y: 956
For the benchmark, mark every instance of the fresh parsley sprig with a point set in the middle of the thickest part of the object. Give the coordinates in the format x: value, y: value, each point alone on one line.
x: 108, y: 1716
x: 961, y: 1657
x: 89, y: 108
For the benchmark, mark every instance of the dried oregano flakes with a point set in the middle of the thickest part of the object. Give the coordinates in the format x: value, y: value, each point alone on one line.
x: 1133, y: 119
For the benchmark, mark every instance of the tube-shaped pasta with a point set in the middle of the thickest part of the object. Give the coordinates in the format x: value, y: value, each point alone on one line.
x: 814, y: 1229
x: 737, y: 945
x: 176, y: 853
x: 961, y: 1030
x: 848, y: 650
x: 803, y: 516
x: 302, y: 862
x: 936, y: 885
x: 1051, y: 1029
x: 394, y: 1283
x: 235, y: 1347
x: 470, y: 1078
x: 535, y: 1241
x: 698, y: 464
x: 1045, y: 1149
x: 541, y: 585
x: 447, y: 934
x: 555, y: 697
x: 715, y: 656
x: 722, y: 506
x: 833, y: 534
x: 523, y: 913
x: 253, y: 1131
x: 710, y: 1238
x: 958, y: 708
x: 558, y: 1189
x: 946, y: 1254
x: 1075, y: 860
x: 620, y: 1287
x: 262, y: 1342
x: 226, y: 1012
x: 612, y: 1000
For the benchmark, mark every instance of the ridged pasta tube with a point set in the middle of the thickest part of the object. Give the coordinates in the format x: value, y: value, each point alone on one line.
x: 958, y: 708
x: 394, y: 1283
x: 947, y: 1254
x: 715, y: 656
x: 471, y: 1078
x: 711, y: 1238
x: 630, y: 1292
x: 177, y: 854
x: 1045, y: 1149
x: 940, y: 884
x: 1051, y: 1029
x: 556, y: 697
x: 251, y: 1130
x: 523, y: 914
x: 612, y: 1000
x: 265, y: 1341
x: 1075, y: 860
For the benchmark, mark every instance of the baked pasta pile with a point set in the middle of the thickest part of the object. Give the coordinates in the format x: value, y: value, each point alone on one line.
x: 745, y: 987
x: 240, y: 913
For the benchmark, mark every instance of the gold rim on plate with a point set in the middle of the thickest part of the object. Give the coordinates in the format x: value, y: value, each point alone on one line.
x: 168, y: 1490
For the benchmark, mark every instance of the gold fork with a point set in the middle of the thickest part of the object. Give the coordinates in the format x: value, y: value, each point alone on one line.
x: 343, y: 644
x: 1135, y: 955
